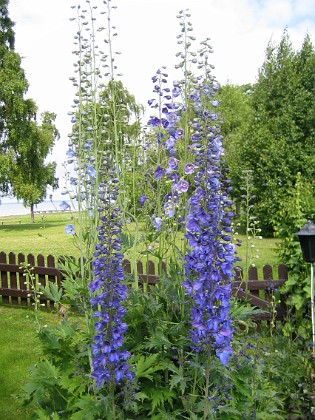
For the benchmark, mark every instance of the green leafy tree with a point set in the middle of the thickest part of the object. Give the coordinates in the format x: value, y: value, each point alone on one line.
x: 238, y: 117
x: 279, y: 141
x: 121, y: 111
x: 24, y: 145
x: 29, y: 173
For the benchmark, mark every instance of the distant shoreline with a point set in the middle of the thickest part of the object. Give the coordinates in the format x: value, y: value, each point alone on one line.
x: 8, y: 209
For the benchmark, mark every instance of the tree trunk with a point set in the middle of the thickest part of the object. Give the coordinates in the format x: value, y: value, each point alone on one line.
x: 32, y: 214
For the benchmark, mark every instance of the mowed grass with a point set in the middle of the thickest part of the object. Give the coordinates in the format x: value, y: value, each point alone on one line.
x: 46, y: 236
x: 19, y: 350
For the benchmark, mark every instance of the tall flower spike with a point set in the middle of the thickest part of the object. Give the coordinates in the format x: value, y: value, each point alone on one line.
x: 208, y: 266
x: 107, y: 295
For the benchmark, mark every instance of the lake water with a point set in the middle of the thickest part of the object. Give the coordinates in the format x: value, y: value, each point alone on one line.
x: 15, y: 208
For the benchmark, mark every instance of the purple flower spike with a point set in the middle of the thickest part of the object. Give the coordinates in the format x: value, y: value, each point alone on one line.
x: 107, y: 295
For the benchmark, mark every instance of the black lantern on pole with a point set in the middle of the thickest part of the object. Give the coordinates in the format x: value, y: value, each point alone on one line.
x: 307, y: 241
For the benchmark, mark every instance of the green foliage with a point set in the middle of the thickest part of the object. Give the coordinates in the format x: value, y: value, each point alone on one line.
x: 276, y: 138
x: 28, y: 171
x: 24, y: 145
x: 292, y: 215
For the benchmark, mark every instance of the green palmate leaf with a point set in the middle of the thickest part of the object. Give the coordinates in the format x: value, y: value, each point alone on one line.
x: 40, y: 415
x: 140, y: 396
x: 73, y: 383
x: 146, y: 366
x: 128, y: 241
x: 241, y: 311
x: 45, y: 373
x: 179, y: 379
x: 162, y: 415
x: 51, y: 291
x: 157, y: 340
x: 89, y: 408
x: 160, y: 396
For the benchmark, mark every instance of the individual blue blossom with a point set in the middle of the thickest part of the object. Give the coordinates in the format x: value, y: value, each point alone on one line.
x: 206, y: 89
x: 70, y: 229
x: 91, y: 171
x: 224, y: 354
x: 170, y: 143
x: 70, y: 153
x: 179, y: 133
x: 159, y: 172
x: 182, y: 186
x: 64, y: 206
x: 172, y: 118
x: 157, y: 223
x: 155, y: 122
x: 87, y: 145
x: 176, y: 91
x: 170, y: 208
x: 172, y: 163
x: 73, y: 181
x: 189, y: 168
x: 142, y: 200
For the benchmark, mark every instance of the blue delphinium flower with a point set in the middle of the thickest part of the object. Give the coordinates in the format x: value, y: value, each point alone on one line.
x: 91, y: 171
x: 189, y: 168
x: 70, y: 153
x: 157, y: 223
x: 159, y: 172
x: 70, y: 229
x: 108, y: 293
x: 142, y: 200
x: 182, y: 186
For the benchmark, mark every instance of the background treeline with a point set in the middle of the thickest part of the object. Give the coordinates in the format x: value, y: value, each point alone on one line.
x: 269, y: 130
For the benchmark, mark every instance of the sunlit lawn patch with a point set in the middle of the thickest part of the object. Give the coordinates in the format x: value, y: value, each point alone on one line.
x: 18, y: 351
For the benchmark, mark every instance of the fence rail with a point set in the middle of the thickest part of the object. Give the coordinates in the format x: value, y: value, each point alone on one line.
x: 15, y: 287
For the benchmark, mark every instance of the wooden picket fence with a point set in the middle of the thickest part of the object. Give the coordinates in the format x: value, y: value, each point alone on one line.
x: 15, y: 287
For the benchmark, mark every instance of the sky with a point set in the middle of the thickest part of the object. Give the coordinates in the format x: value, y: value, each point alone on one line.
x: 239, y: 31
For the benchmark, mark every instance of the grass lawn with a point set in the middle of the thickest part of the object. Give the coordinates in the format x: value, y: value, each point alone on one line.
x: 46, y: 236
x: 18, y: 352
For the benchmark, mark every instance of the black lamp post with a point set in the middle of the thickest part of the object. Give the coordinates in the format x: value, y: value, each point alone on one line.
x: 307, y: 241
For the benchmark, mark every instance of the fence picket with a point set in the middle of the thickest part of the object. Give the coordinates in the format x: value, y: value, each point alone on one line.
x: 24, y: 301
x: 4, y: 278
